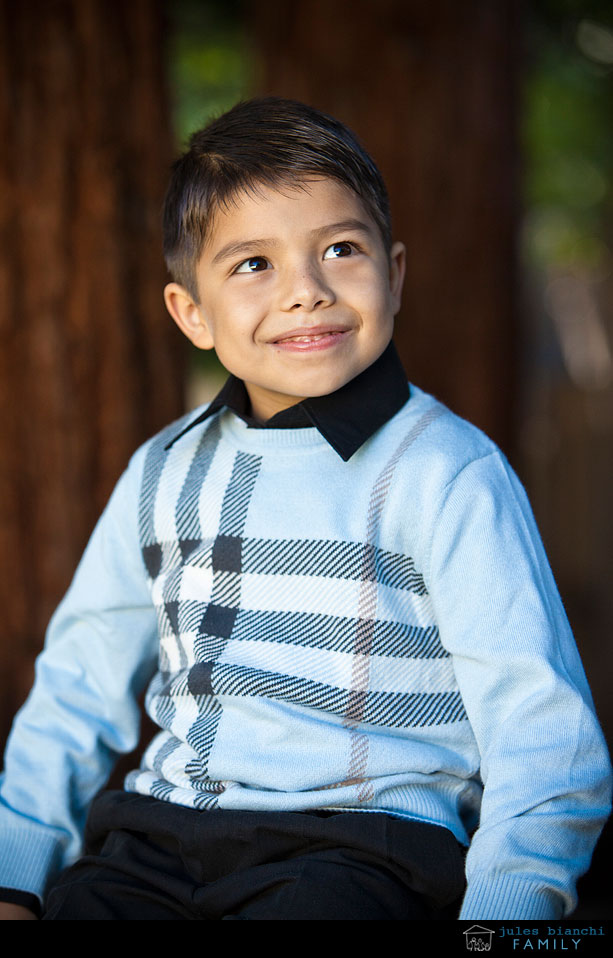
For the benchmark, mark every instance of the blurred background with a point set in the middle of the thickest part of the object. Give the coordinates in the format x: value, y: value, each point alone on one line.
x: 491, y: 122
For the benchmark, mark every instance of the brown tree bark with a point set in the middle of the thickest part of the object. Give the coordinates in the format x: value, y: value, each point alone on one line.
x: 430, y: 89
x: 89, y: 363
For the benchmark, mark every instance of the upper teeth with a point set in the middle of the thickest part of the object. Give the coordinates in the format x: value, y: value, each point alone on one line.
x: 305, y: 339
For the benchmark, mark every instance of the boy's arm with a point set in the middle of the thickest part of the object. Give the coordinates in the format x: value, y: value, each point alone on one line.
x: 544, y: 764
x: 100, y: 651
x: 10, y: 912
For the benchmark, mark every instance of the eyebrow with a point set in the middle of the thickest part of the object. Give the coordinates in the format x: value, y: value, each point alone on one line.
x: 230, y: 250
x: 235, y: 249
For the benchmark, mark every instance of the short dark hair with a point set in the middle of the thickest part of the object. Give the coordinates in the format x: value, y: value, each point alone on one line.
x: 264, y: 141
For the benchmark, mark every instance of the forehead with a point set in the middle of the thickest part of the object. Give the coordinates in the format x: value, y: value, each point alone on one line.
x: 285, y: 212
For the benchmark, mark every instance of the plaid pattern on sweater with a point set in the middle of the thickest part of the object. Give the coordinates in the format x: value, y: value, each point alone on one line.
x: 218, y: 647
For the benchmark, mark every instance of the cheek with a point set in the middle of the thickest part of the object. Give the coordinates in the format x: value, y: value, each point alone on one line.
x: 244, y: 309
x: 377, y: 309
x: 369, y: 291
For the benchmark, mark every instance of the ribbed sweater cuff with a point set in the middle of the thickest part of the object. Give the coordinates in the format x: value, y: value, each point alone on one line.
x: 505, y: 897
x: 27, y: 857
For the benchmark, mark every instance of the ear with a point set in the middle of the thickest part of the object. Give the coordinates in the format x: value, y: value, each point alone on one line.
x: 397, y: 270
x: 188, y: 315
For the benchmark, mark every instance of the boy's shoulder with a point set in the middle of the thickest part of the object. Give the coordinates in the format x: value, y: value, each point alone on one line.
x: 437, y: 470
x: 425, y: 432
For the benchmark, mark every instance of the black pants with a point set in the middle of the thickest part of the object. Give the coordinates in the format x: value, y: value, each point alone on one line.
x: 149, y: 860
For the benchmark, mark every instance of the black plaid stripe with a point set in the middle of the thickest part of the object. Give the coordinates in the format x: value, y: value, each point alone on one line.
x: 199, y: 679
x: 162, y: 789
x: 415, y: 709
x: 166, y: 792
x: 171, y: 685
x: 154, y: 464
x: 202, y: 734
x: 177, y: 617
x: 203, y: 731
x: 226, y: 556
x: 188, y: 619
x: 172, y: 616
x: 218, y: 620
x: 168, y: 615
x: 208, y: 648
x: 163, y: 661
x: 218, y: 617
x: 337, y: 634
x: 200, y: 556
x: 174, y: 565
x: 204, y: 801
x: 398, y: 572
x: 226, y: 589
x: 238, y: 494
x: 385, y: 709
x: 164, y: 752
x: 186, y: 512
x: 165, y: 711
x: 159, y: 699
x: 151, y: 548
x: 152, y: 557
x: 332, y: 559
x: 209, y: 791
x: 189, y: 616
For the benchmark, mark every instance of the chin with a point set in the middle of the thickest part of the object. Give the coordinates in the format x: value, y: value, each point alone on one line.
x: 323, y: 387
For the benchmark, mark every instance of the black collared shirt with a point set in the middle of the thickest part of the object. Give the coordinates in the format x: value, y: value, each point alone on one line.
x: 345, y: 418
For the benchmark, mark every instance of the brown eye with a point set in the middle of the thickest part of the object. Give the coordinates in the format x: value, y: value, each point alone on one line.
x: 254, y: 265
x: 337, y: 250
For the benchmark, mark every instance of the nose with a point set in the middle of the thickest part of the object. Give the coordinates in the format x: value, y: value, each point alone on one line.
x: 305, y: 288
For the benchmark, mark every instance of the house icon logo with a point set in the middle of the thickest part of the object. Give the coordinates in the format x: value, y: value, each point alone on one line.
x: 478, y: 938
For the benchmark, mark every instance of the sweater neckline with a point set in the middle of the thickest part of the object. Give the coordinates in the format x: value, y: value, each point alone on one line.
x: 346, y: 418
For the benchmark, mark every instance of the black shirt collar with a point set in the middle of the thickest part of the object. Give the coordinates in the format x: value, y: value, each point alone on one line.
x: 345, y: 418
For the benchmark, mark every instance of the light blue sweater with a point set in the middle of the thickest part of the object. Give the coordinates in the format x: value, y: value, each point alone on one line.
x: 382, y: 634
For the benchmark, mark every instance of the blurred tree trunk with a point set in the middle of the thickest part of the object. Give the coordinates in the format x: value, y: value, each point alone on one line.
x: 430, y: 89
x: 89, y: 365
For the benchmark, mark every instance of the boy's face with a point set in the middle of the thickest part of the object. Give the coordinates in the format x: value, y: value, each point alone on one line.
x: 297, y: 293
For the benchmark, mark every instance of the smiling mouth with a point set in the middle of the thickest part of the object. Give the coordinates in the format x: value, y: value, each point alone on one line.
x: 303, y: 339
x: 306, y: 339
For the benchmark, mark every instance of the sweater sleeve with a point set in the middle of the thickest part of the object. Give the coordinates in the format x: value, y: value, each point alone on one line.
x: 544, y: 764
x: 100, y: 650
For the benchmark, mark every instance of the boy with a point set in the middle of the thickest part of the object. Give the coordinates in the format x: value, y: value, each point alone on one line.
x: 334, y: 588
